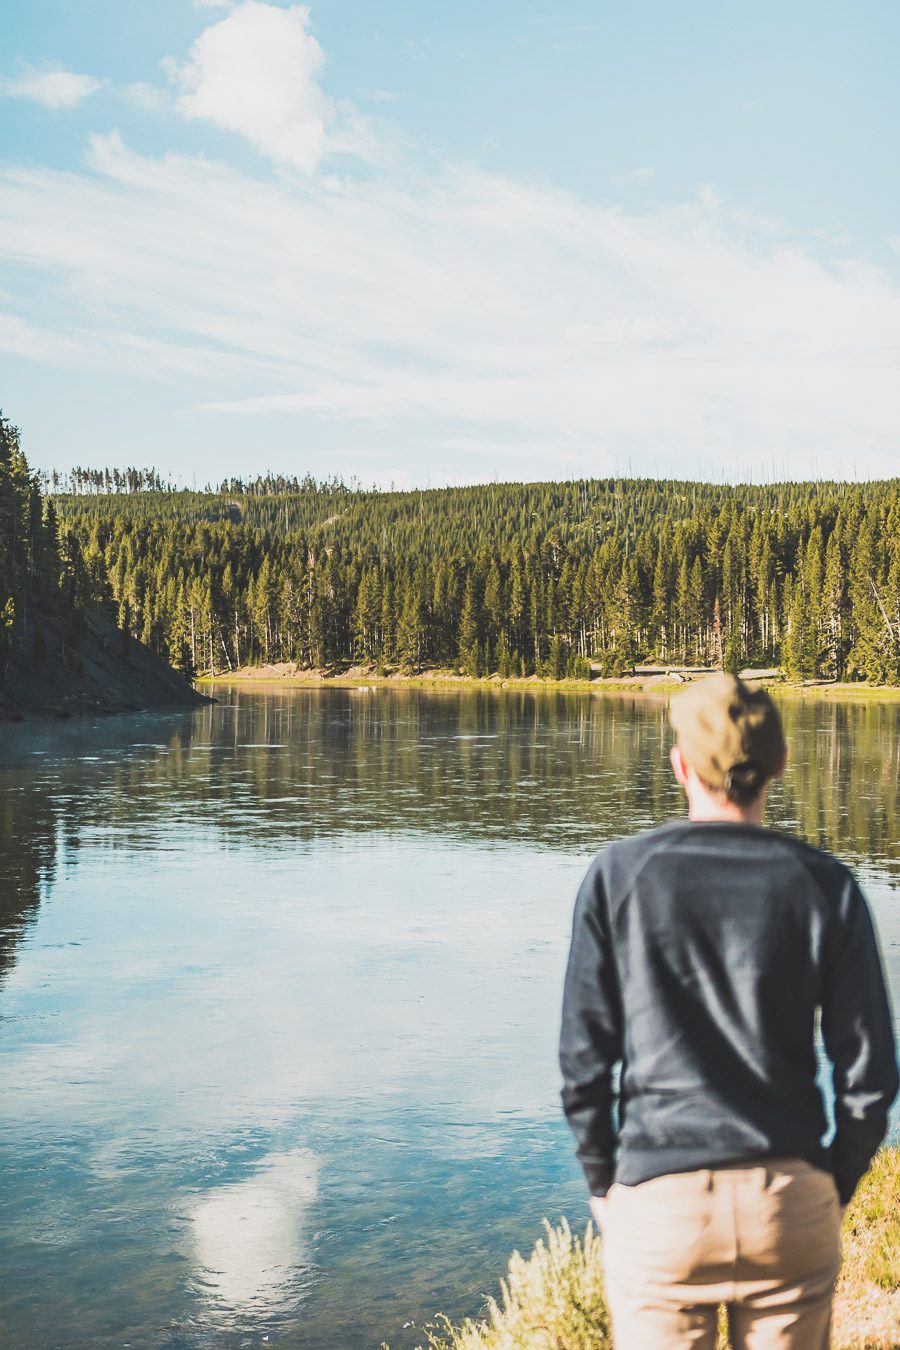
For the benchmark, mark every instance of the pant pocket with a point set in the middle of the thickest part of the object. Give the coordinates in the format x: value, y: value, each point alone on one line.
x: 792, y: 1228
x: 661, y: 1227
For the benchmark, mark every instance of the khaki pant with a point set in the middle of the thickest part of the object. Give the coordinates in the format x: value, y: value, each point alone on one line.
x: 763, y: 1239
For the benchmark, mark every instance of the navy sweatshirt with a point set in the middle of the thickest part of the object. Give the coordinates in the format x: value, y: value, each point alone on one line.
x: 702, y: 954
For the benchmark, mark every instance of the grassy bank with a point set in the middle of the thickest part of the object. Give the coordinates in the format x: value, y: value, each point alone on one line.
x: 360, y: 678
x: 355, y: 678
x: 553, y: 1299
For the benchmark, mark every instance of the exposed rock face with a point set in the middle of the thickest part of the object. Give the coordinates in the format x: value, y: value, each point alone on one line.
x: 95, y: 668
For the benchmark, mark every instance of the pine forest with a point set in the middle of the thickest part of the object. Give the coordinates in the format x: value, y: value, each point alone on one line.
x: 514, y: 579
x: 40, y: 563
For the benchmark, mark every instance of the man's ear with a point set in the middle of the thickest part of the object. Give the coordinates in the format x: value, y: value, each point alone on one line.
x: 679, y: 767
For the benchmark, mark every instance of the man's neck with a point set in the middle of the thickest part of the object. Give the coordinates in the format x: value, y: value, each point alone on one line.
x: 702, y: 806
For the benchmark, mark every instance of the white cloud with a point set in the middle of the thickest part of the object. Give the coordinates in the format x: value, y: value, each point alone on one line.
x: 256, y: 72
x: 53, y: 89
x: 437, y: 309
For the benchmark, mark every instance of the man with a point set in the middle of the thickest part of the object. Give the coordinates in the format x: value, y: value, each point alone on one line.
x: 702, y: 954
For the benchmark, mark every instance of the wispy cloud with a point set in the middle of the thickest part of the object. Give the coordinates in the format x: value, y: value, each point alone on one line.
x: 381, y: 96
x: 462, y: 302
x: 638, y: 175
x: 53, y: 89
x: 147, y: 97
x: 437, y: 305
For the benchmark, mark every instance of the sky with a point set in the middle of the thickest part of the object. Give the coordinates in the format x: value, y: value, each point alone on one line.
x: 418, y: 244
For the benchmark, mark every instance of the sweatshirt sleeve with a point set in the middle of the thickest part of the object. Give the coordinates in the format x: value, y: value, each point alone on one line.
x: 857, y: 1030
x: 590, y: 1040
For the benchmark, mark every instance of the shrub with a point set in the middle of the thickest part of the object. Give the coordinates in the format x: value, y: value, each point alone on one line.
x: 553, y: 1299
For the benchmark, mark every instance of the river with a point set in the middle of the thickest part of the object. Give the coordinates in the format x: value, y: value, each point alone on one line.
x: 279, y: 994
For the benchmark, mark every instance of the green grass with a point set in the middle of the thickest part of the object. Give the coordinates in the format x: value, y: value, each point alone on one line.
x: 867, y: 1307
x: 553, y: 1299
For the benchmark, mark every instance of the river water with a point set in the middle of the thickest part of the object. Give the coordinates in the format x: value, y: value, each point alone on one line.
x: 279, y: 995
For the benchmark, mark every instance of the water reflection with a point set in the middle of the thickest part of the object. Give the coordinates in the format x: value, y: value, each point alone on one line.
x: 281, y: 996
x: 842, y: 788
x: 250, y: 1239
x: 299, y: 765
x: 28, y: 831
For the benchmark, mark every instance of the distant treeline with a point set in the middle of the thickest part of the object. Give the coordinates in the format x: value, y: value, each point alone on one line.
x: 514, y: 578
x: 79, y: 482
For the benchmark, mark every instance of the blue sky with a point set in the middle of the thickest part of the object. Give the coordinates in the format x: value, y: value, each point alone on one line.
x: 425, y: 244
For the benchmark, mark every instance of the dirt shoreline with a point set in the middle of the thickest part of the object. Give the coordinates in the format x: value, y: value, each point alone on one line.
x: 357, y: 677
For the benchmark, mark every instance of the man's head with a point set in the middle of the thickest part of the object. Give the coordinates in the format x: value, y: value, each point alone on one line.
x: 729, y: 746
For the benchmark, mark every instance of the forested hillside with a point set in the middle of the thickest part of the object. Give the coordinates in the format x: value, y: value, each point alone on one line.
x: 57, y: 652
x: 38, y: 563
x: 514, y: 578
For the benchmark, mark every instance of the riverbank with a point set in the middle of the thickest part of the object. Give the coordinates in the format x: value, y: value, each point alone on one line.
x: 62, y: 669
x: 554, y: 1297
x: 355, y: 677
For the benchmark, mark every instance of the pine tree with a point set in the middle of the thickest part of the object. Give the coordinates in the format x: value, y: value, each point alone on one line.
x: 467, y: 647
x: 410, y: 626
x: 387, y: 626
x: 367, y: 614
